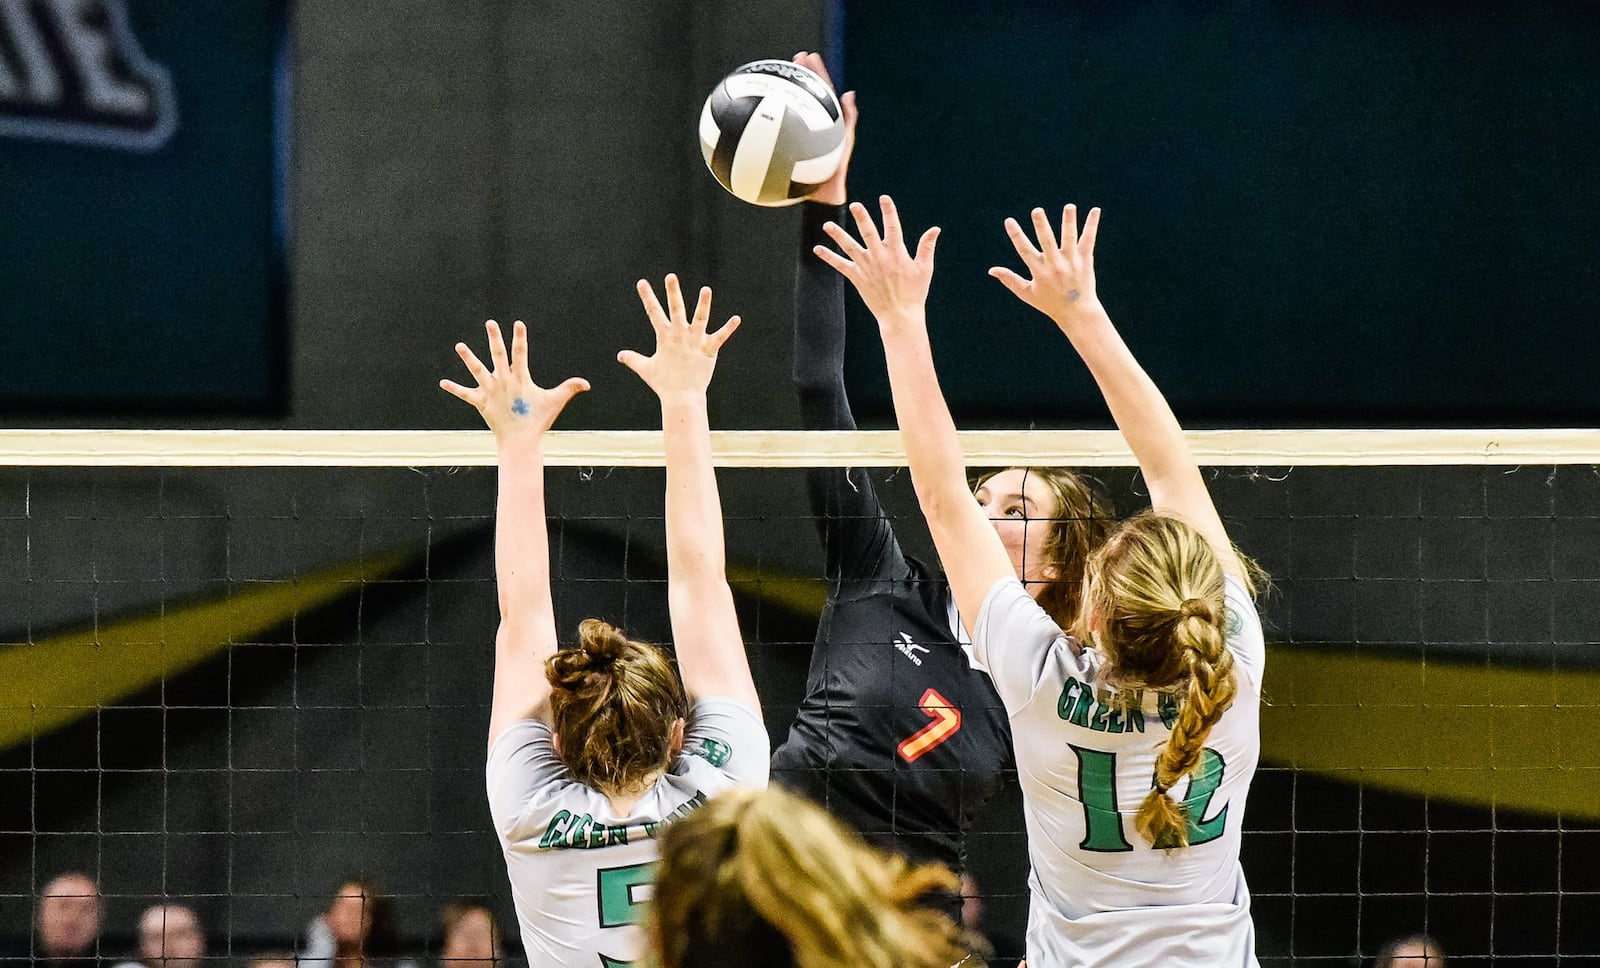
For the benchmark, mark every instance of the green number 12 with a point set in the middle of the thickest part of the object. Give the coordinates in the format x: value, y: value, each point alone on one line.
x: 1097, y: 790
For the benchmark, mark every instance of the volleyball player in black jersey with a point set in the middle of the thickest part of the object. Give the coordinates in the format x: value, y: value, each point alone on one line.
x: 898, y: 735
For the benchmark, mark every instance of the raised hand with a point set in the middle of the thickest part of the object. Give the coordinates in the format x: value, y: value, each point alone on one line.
x: 510, y: 402
x: 686, y: 349
x: 890, y: 280
x: 832, y: 191
x: 1062, y: 282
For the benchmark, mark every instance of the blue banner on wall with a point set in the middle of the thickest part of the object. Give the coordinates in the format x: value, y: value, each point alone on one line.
x: 141, y: 247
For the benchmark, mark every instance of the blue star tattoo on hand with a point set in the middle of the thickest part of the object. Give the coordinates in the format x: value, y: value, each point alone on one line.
x: 519, y: 407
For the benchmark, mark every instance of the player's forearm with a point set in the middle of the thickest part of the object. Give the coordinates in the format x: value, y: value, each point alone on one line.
x: 695, y: 553
x: 819, y: 319
x: 933, y: 451
x: 1141, y: 412
x: 521, y: 543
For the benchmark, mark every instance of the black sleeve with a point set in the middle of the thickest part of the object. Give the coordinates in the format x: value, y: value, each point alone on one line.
x: 856, y: 534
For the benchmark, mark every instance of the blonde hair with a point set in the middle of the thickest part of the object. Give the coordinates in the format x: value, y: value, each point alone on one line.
x: 1080, y: 524
x: 1155, y: 589
x: 767, y: 878
x: 613, y: 702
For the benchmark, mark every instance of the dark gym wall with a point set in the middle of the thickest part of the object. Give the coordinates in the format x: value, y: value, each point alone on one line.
x: 1320, y: 213
x: 457, y: 162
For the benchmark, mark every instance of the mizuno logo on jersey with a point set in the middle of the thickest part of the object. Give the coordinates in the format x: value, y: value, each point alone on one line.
x: 72, y: 70
x: 909, y: 649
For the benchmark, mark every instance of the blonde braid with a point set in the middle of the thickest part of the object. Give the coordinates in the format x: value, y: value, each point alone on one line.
x: 1153, y: 603
x: 1199, y: 636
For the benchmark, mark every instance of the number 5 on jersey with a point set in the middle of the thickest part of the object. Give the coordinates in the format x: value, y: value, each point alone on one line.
x: 623, y: 892
x: 946, y: 723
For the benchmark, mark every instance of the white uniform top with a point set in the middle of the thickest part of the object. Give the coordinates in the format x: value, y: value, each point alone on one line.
x: 580, y: 874
x: 1100, y: 894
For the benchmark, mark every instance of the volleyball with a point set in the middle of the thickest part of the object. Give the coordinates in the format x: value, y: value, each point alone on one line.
x: 771, y: 132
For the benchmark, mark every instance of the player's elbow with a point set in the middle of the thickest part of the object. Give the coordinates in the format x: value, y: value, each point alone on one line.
x: 689, y: 595
x: 941, y: 500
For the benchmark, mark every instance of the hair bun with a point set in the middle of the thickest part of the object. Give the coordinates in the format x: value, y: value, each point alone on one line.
x: 1197, y: 608
x: 601, y: 640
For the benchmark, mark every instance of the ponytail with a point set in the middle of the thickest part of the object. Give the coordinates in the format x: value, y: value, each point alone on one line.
x: 1156, y: 591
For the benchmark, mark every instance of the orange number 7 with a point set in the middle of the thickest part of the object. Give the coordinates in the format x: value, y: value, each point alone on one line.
x: 946, y: 721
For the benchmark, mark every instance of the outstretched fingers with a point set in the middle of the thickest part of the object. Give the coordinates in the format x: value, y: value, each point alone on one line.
x: 715, y: 340
x: 1030, y: 256
x: 702, y: 310
x: 652, y: 306
x: 519, y: 347
x: 1091, y: 229
x: 869, y: 232
x: 497, y: 347
x: 926, y: 245
x: 1018, y: 285
x: 474, y: 365
x: 848, y: 246
x: 1069, y: 226
x: 569, y: 388
x: 834, y: 260
x: 679, y: 314
x: 1044, y: 233
x: 472, y: 396
x: 892, y: 235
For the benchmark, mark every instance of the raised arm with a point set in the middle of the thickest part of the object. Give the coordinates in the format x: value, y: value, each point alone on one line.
x: 858, y: 541
x: 894, y: 285
x: 519, y: 412
x: 705, y: 629
x: 1063, y: 287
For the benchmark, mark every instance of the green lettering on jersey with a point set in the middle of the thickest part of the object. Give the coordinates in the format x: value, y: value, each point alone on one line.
x: 597, y: 836
x: 578, y: 833
x: 1135, y: 712
x: 616, y: 889
x: 1069, y: 693
x: 1080, y: 708
x: 1098, y: 723
x: 1097, y: 791
x: 616, y: 836
x: 1206, y: 780
x: 552, y: 833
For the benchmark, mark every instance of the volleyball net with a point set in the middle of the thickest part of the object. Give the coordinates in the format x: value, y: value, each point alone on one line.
x: 240, y: 668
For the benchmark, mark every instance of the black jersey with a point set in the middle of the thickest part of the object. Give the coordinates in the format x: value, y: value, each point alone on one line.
x: 898, y: 735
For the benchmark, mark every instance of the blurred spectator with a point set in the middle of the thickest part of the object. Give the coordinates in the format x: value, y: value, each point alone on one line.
x: 170, y: 936
x: 1413, y: 951
x: 68, y: 921
x: 356, y: 930
x: 471, y: 936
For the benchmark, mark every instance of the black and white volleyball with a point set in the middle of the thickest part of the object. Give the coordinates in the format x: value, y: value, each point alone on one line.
x: 771, y: 132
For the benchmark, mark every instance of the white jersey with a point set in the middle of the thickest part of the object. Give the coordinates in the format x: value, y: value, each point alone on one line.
x: 1100, y: 894
x: 580, y: 874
